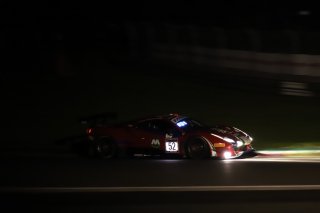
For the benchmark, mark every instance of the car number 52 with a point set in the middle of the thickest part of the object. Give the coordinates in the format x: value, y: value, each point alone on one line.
x: 172, y: 146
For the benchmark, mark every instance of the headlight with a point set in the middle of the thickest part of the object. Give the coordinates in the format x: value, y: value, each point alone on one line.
x: 229, y: 140
x: 239, y: 143
x: 227, y: 155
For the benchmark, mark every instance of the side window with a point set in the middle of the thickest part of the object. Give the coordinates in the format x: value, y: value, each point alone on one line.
x: 158, y: 126
x: 166, y: 128
x: 161, y: 126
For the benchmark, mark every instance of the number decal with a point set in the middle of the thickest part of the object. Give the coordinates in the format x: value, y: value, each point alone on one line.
x: 172, y: 146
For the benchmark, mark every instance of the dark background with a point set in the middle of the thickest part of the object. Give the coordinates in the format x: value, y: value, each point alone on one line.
x: 65, y: 60
x: 34, y: 33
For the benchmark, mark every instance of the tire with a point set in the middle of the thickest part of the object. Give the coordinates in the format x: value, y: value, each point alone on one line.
x: 106, y: 148
x: 197, y: 148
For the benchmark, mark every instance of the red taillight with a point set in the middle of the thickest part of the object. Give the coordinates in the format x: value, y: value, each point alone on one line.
x: 89, y: 131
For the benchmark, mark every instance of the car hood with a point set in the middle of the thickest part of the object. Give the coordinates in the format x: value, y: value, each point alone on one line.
x: 231, y: 133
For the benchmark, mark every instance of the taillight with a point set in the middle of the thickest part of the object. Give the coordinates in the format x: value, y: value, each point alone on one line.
x: 89, y: 131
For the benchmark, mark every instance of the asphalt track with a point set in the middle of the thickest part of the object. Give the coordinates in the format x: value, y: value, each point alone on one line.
x: 70, y: 183
x: 147, y: 172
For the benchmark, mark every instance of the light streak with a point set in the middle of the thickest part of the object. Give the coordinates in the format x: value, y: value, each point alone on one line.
x: 158, y: 189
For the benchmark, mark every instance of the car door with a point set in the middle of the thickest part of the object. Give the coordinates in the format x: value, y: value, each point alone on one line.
x: 148, y: 137
x: 157, y: 136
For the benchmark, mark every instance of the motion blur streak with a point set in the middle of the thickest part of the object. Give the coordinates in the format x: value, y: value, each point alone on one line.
x: 158, y: 189
x: 283, y: 159
x: 289, y: 152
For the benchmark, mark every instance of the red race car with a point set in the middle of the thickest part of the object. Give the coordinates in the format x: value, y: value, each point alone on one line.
x: 168, y: 135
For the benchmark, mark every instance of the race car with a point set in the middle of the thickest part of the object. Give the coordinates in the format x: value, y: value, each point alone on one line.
x: 168, y: 135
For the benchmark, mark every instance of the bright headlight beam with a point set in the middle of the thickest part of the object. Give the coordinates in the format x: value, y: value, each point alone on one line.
x: 227, y: 155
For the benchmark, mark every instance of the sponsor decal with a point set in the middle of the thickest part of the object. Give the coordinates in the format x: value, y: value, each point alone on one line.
x: 168, y: 136
x: 177, y: 119
x: 155, y: 143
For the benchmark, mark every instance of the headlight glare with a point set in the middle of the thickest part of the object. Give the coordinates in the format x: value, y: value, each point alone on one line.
x: 239, y: 143
x: 227, y: 155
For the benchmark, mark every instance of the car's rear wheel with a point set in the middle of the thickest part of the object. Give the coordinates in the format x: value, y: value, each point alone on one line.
x: 106, y: 148
x: 197, y: 148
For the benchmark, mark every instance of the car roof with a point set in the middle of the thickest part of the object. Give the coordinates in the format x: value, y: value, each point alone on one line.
x: 173, y: 117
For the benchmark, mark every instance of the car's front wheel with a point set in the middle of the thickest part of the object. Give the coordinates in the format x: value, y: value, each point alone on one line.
x: 106, y: 148
x: 197, y: 148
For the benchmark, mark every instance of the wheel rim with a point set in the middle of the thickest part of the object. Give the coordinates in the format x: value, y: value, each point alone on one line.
x: 106, y: 149
x: 197, y: 148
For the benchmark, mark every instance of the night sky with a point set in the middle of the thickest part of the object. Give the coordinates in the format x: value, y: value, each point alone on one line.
x: 38, y: 27
x: 55, y: 15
